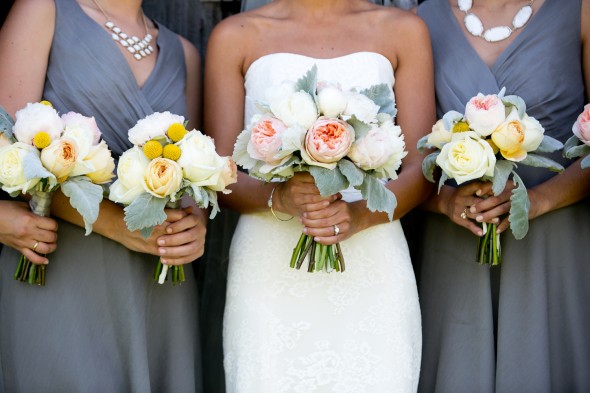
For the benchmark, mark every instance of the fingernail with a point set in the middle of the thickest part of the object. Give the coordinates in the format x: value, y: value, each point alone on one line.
x: 164, y: 261
x: 472, y: 209
x: 479, y: 218
x: 304, y: 230
x: 46, y: 262
x: 162, y: 251
x: 478, y: 192
x: 496, y: 220
x: 161, y: 242
x: 168, y: 230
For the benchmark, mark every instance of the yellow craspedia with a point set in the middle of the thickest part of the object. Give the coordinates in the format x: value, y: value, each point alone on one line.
x: 47, y: 103
x: 41, y: 140
x: 176, y: 132
x: 461, y: 126
x: 495, y: 148
x: 171, y: 152
x: 152, y: 149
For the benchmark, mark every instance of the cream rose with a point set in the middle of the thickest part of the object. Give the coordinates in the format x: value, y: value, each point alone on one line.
x: 12, y: 170
x: 229, y: 175
x: 163, y: 178
x: 331, y: 101
x: 292, y: 107
x: 35, y: 118
x: 439, y: 134
x: 381, y: 149
x: 153, y: 126
x: 327, y: 141
x: 103, y: 163
x: 83, y: 130
x: 200, y: 163
x: 361, y: 107
x: 130, y: 172
x: 534, y: 133
x: 485, y: 113
x: 510, y: 136
x: 581, y: 127
x: 466, y: 157
x: 266, y: 139
x: 60, y: 158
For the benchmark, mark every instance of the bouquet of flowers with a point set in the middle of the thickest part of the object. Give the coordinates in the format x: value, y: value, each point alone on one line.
x: 165, y: 163
x: 486, y: 143
x: 42, y: 152
x: 342, y: 137
x: 581, y: 129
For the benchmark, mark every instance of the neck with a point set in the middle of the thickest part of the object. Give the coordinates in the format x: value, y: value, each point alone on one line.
x: 121, y: 9
x: 318, y: 8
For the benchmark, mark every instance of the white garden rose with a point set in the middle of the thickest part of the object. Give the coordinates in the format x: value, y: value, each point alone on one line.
x: 466, y: 157
x: 485, y: 113
x: 60, y: 158
x: 153, y: 126
x: 35, y: 118
x: 163, y: 178
x: 200, y: 163
x: 382, y: 149
x: 361, y: 107
x: 439, y: 135
x: 102, y: 162
x: 534, y: 133
x: 130, y: 173
x: 12, y: 171
x: 83, y: 130
x: 331, y: 101
x: 229, y: 175
x: 292, y: 107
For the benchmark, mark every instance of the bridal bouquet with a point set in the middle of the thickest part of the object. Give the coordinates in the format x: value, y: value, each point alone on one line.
x: 342, y: 137
x: 165, y: 163
x: 41, y: 152
x: 581, y: 129
x: 487, y: 143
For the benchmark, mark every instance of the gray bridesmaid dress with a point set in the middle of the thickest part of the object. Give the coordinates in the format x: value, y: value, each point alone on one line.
x: 100, y: 324
x: 523, y: 327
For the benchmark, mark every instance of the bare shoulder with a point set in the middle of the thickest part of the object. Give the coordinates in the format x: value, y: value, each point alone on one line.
x: 191, y: 53
x: 400, y: 22
x: 35, y: 7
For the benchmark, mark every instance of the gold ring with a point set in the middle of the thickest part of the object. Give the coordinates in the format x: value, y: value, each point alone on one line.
x: 336, y: 230
x: 464, y: 214
x: 35, y: 246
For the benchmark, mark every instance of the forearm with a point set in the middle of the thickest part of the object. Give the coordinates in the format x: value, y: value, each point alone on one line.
x: 248, y: 195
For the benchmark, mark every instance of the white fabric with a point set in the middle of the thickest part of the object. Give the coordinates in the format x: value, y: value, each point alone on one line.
x: 287, y: 330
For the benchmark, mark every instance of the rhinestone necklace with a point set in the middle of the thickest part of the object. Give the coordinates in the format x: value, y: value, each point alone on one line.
x: 494, y: 34
x: 139, y: 48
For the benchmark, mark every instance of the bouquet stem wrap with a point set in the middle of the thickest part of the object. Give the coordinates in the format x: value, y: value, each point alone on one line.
x: 26, y: 271
x: 177, y: 271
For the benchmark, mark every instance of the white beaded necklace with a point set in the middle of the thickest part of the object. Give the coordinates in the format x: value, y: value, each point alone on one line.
x: 494, y: 34
x: 139, y: 48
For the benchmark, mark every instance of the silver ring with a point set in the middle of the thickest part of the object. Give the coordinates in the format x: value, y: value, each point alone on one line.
x: 464, y: 214
x: 336, y: 230
x: 35, y: 246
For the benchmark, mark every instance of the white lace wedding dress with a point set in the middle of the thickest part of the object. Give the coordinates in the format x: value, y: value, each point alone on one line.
x: 287, y: 330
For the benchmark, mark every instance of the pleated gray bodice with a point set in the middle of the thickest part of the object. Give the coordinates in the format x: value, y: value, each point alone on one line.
x: 532, y: 67
x: 97, y: 54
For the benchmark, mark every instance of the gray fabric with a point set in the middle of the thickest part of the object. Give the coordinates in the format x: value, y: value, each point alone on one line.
x: 405, y: 4
x: 539, y: 296
x: 100, y: 324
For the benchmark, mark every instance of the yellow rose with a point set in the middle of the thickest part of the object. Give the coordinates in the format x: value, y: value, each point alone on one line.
x: 509, y: 137
x: 104, y: 164
x: 163, y: 177
x: 60, y: 158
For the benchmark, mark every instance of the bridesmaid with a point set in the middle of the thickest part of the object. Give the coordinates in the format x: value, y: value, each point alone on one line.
x: 522, y: 326
x: 100, y: 323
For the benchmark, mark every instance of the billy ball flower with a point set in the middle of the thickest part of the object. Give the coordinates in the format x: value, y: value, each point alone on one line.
x: 171, y: 152
x: 176, y: 132
x: 41, y: 140
x: 152, y: 149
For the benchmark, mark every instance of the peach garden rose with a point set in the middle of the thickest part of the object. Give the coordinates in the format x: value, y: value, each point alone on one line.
x: 327, y: 141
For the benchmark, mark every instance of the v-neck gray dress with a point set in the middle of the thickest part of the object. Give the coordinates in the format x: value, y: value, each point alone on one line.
x: 523, y: 327
x: 100, y: 324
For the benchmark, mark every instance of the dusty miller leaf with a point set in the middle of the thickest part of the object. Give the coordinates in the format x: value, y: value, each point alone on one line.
x: 381, y: 95
x: 428, y: 166
x: 516, y: 101
x: 144, y: 213
x: 502, y: 171
x: 549, y: 144
x: 85, y: 197
x: 6, y: 124
x: 328, y: 181
x: 308, y: 82
x: 378, y: 197
x: 361, y: 129
x: 519, y: 208
x: 585, y: 162
x: 240, y: 154
x: 353, y: 174
x: 542, y: 162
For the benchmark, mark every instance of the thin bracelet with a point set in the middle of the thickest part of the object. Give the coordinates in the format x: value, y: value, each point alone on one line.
x: 269, y: 203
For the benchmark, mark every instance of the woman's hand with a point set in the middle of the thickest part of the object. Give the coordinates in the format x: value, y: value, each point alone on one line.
x: 334, y: 223
x: 299, y: 195
x: 184, y: 238
x: 493, y: 209
x: 27, y: 232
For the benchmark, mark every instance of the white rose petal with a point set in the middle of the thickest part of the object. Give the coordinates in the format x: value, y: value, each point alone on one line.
x: 35, y: 118
x: 153, y: 126
x: 12, y: 171
x: 361, y: 107
x: 131, y: 168
x: 331, y: 101
x: 200, y: 163
x: 467, y: 157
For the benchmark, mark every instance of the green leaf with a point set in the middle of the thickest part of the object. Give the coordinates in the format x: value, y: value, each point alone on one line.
x: 6, y: 124
x: 328, y: 181
x: 423, y: 143
x: 576, y: 151
x: 240, y: 154
x: 353, y: 173
x: 542, y: 162
x: 381, y: 95
x: 85, y: 197
x: 378, y: 197
x: 361, y: 129
x: 585, y: 162
x: 549, y: 144
x: 308, y: 82
x: 573, y: 141
x: 428, y: 166
x: 502, y: 171
x: 145, y: 212
x: 33, y: 167
x: 516, y: 101
x: 519, y: 208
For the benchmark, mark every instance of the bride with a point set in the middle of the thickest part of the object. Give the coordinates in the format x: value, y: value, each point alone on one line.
x: 287, y: 330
